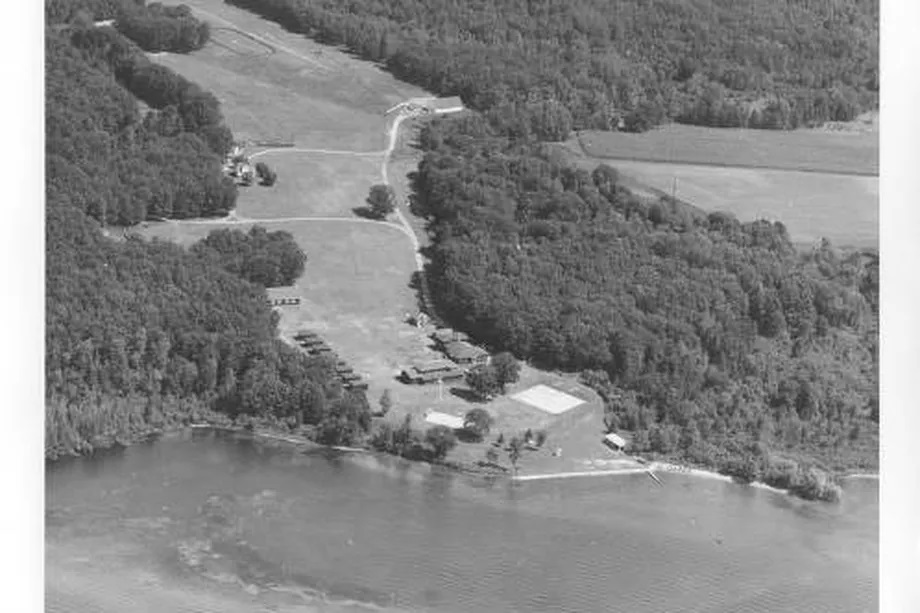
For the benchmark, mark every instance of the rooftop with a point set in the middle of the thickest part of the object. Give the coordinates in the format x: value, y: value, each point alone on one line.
x: 459, y: 350
x: 432, y: 366
x: 451, y: 102
x: 443, y: 419
x: 616, y: 439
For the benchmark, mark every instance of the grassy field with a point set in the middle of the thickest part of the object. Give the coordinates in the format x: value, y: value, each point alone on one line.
x: 842, y: 208
x: 310, y: 184
x: 849, y: 152
x: 282, y: 86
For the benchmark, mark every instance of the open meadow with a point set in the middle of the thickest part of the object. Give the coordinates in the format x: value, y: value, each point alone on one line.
x: 277, y: 86
x: 819, y: 183
x: 828, y: 151
x: 841, y: 208
x: 310, y: 185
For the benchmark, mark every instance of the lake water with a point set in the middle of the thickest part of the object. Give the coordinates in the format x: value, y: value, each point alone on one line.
x: 207, y: 521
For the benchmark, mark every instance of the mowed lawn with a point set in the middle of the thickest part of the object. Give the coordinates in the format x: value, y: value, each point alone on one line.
x: 811, y: 150
x: 286, y: 87
x: 310, y: 185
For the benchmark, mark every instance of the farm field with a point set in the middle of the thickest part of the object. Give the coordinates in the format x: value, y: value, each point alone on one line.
x: 310, y: 184
x: 847, y: 152
x: 841, y: 208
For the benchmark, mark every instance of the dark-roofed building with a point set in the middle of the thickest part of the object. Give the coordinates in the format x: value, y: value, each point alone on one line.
x: 462, y: 352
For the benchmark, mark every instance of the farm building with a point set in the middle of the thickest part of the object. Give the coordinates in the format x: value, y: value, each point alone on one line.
x: 464, y: 353
x: 443, y: 419
x: 615, y: 442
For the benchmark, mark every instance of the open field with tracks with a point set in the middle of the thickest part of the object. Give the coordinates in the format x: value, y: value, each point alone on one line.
x: 274, y: 85
x: 819, y: 183
x: 843, y: 208
x: 847, y: 152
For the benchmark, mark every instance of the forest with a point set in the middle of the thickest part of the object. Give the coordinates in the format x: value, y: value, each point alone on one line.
x: 144, y: 334
x: 542, y: 68
x: 155, y: 27
x: 269, y: 259
x: 711, y: 339
x: 123, y: 168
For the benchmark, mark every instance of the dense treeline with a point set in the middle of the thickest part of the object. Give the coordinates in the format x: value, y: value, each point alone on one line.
x: 142, y: 334
x: 270, y: 259
x: 68, y: 11
x: 120, y: 167
x: 542, y: 68
x: 182, y: 106
x: 721, y: 330
x: 156, y: 27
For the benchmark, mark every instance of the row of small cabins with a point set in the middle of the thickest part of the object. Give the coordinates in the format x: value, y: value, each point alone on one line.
x: 461, y: 355
x: 316, y: 346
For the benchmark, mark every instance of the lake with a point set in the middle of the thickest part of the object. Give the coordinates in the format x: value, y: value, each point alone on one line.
x: 210, y: 521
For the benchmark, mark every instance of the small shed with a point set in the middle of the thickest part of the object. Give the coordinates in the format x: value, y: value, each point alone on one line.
x: 615, y: 442
x: 465, y: 353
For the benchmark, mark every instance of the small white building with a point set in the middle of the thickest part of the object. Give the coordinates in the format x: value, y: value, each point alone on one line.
x: 615, y: 442
x: 452, y: 104
x: 443, y: 419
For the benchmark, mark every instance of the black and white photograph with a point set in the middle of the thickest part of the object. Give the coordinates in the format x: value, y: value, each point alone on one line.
x: 462, y: 306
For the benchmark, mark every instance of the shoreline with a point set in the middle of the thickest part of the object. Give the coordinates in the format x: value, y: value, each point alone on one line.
x: 650, y: 468
x: 680, y: 469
